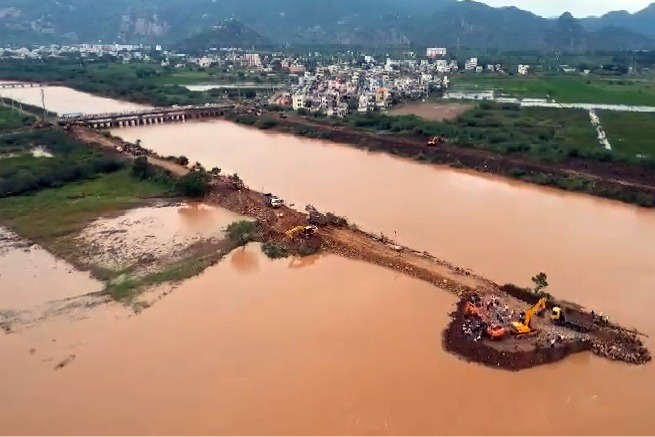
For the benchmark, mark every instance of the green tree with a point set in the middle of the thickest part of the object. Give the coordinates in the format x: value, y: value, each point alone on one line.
x: 194, y: 184
x: 540, y: 283
x: 242, y: 232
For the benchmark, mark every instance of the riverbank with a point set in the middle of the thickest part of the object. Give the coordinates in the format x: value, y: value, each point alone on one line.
x: 614, y: 180
x: 627, y: 178
x: 356, y: 244
x: 115, y: 228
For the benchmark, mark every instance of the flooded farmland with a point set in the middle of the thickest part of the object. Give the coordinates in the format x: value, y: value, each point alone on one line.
x: 31, y: 276
x: 337, y: 347
x: 153, y: 233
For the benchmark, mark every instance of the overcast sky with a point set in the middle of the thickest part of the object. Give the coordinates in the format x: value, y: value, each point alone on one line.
x: 579, y: 8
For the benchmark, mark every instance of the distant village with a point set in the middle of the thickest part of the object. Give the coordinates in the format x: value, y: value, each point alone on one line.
x: 356, y: 82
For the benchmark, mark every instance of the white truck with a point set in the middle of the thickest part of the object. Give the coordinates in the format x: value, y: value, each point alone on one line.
x: 273, y: 201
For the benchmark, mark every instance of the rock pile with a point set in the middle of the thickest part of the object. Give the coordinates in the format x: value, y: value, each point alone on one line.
x: 631, y: 351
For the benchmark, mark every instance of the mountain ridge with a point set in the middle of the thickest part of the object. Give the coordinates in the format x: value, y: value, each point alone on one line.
x: 375, y: 23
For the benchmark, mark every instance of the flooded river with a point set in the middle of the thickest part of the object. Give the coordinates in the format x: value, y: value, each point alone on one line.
x: 593, y: 250
x: 64, y: 100
x: 253, y: 346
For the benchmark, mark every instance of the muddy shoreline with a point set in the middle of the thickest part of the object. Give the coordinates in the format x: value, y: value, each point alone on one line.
x: 611, y: 180
x: 612, y: 342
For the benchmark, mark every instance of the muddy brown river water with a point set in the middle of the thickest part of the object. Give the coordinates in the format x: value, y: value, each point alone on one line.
x: 339, y: 347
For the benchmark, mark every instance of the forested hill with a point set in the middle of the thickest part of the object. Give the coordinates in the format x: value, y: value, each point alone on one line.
x: 297, y: 22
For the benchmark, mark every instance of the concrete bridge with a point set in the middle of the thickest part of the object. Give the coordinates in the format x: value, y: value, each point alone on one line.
x: 6, y: 85
x: 144, y: 117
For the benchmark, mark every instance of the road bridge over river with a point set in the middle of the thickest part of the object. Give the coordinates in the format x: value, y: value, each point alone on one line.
x: 10, y: 85
x: 150, y: 116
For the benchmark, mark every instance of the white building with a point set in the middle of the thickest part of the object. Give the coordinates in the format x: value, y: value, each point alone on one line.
x: 252, y: 60
x: 471, y: 64
x: 523, y: 69
x: 298, y: 101
x: 434, y: 52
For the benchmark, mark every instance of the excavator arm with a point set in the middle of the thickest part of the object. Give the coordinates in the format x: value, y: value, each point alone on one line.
x: 541, y: 305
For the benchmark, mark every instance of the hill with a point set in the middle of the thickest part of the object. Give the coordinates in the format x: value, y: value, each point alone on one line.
x: 230, y: 33
x: 642, y: 21
x: 375, y: 23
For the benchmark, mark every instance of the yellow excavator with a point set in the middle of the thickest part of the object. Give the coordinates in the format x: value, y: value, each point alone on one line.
x: 303, y: 231
x: 523, y: 325
x: 435, y: 141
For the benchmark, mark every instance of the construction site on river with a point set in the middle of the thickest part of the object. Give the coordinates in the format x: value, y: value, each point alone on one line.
x: 500, y: 326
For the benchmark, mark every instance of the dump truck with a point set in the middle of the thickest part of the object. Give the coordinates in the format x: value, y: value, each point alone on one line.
x: 316, y: 218
x: 273, y: 201
x: 576, y: 320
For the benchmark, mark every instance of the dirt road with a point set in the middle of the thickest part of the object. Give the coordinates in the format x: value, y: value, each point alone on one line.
x: 610, y: 341
x: 94, y: 138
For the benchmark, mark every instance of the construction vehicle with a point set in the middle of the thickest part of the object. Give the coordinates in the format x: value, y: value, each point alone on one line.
x: 435, y: 140
x: 493, y: 331
x: 523, y: 326
x: 576, y: 320
x: 273, y: 201
x: 302, y: 231
x: 316, y: 218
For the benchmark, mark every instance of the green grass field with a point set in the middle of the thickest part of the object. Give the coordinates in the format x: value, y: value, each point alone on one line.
x: 56, y: 212
x: 630, y: 132
x: 565, y: 89
x: 10, y: 119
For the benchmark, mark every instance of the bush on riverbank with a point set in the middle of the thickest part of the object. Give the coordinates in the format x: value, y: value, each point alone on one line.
x: 266, y: 123
x: 549, y: 134
x: 583, y: 185
x: 48, y: 159
x: 242, y: 232
x: 194, y: 184
x: 274, y: 251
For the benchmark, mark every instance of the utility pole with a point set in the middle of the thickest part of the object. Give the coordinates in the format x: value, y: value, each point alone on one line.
x: 43, y: 103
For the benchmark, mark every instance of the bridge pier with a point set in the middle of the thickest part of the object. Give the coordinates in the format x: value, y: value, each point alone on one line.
x: 142, y: 118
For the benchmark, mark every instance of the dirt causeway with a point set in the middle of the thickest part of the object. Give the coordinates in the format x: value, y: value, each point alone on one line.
x: 606, y: 340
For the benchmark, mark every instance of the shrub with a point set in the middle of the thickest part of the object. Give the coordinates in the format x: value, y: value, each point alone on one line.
x: 274, y: 251
x: 194, y: 184
x: 266, y: 123
x: 140, y: 167
x: 643, y: 199
x: 241, y: 232
x: 516, y: 172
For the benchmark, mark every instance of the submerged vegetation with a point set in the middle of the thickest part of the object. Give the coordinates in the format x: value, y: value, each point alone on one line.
x: 242, y: 232
x: 273, y: 251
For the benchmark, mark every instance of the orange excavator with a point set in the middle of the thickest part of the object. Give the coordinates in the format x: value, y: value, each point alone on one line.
x: 495, y: 332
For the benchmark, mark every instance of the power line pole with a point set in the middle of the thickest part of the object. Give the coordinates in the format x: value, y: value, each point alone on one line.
x: 43, y: 103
